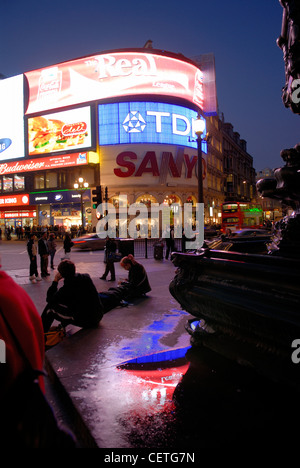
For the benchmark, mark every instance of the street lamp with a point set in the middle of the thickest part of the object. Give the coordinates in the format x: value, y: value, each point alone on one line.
x: 199, y: 126
x: 81, y: 186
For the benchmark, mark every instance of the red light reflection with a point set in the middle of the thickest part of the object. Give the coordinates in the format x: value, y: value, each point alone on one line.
x: 152, y: 388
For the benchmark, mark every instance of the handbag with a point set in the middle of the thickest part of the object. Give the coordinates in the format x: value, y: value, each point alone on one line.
x: 54, y: 336
x: 114, y: 257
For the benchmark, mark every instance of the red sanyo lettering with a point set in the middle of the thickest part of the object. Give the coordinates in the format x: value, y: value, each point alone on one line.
x: 108, y: 65
x: 149, y: 164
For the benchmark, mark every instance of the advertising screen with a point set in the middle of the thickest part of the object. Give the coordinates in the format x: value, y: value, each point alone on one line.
x: 61, y: 131
x: 11, y: 118
x: 147, y: 122
x: 111, y: 75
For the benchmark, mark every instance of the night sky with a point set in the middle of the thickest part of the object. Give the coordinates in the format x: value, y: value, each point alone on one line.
x: 240, y: 33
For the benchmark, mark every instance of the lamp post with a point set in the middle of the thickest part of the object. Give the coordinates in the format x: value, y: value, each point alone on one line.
x: 199, y: 126
x: 81, y: 186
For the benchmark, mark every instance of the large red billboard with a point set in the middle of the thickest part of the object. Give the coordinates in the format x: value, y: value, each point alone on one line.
x: 111, y: 75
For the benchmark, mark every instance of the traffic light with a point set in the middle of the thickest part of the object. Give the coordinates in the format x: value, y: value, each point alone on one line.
x: 97, y: 199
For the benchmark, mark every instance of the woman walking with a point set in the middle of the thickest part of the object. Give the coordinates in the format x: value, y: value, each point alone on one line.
x: 110, y: 249
x: 68, y: 243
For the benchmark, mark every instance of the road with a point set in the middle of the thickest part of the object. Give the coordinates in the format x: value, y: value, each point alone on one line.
x: 14, y: 255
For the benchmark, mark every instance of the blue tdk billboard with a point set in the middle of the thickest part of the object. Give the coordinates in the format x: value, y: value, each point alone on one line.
x: 147, y: 122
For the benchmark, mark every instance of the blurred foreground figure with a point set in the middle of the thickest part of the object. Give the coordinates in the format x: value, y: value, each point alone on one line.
x: 27, y: 420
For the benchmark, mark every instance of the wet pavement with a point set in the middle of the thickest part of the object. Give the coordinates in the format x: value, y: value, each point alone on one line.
x: 84, y: 366
x: 136, y: 383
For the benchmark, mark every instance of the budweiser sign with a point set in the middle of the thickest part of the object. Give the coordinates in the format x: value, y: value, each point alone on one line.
x: 39, y: 164
x: 112, y: 75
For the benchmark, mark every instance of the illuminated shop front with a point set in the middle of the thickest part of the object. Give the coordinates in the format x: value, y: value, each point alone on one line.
x: 16, y: 210
x: 61, y: 208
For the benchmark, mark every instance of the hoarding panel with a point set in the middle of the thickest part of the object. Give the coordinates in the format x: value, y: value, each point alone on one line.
x: 147, y: 122
x: 11, y: 118
x: 111, y: 75
x: 60, y: 131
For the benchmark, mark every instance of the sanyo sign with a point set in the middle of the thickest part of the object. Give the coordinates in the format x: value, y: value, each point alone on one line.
x: 147, y: 122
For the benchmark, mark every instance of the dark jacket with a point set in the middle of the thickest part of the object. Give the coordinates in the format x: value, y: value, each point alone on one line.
x: 110, y: 247
x: 68, y: 243
x: 138, y: 280
x: 31, y: 248
x: 43, y: 246
x: 79, y: 294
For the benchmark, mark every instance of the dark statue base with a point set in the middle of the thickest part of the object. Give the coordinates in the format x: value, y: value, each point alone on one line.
x: 247, y: 308
x: 247, y: 305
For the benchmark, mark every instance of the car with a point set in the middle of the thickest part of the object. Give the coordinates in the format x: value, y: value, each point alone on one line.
x: 251, y: 233
x: 244, y: 241
x: 210, y: 232
x: 89, y: 242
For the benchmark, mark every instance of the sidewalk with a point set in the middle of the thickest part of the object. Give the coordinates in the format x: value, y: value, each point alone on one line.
x: 101, y: 397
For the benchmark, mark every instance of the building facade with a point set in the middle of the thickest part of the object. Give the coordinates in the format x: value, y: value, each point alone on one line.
x: 239, y: 173
x: 122, y: 120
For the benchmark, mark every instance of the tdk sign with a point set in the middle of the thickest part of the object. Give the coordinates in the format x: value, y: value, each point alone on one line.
x: 147, y: 122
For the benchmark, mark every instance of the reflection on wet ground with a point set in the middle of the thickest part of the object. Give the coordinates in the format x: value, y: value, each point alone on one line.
x: 204, y: 402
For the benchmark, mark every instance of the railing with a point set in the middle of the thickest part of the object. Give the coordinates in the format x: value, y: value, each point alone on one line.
x: 145, y: 248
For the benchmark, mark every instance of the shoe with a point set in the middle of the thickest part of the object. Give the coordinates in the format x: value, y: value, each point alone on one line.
x: 103, y: 277
x: 31, y: 277
x: 33, y: 280
x: 38, y: 278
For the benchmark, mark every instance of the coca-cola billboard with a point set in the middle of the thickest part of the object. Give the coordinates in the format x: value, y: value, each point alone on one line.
x: 111, y: 75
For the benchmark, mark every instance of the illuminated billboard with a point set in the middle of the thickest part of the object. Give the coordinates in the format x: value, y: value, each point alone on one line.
x: 61, y: 131
x: 11, y: 118
x: 147, y: 122
x: 111, y: 75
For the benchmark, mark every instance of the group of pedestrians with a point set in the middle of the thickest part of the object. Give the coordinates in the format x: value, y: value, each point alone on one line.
x: 46, y: 248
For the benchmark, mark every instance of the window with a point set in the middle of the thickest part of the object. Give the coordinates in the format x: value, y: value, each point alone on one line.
x: 51, y: 180
x: 19, y: 183
x: 39, y: 181
x: 7, y: 184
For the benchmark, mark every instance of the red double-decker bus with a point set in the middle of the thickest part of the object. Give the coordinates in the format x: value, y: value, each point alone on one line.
x: 241, y: 215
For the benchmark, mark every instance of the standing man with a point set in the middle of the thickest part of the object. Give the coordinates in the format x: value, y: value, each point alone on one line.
x: 32, y: 250
x: 52, y: 249
x: 44, y: 254
x: 170, y: 242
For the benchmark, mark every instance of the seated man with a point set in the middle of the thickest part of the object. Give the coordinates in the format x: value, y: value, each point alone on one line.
x: 76, y: 302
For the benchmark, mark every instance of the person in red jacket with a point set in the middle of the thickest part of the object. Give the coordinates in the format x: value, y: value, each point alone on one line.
x: 21, y: 331
x: 27, y: 419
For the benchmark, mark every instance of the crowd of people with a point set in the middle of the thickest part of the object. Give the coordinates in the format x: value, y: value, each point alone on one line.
x: 24, y: 232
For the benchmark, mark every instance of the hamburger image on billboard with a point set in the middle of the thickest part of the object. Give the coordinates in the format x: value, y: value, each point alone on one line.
x: 59, y: 131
